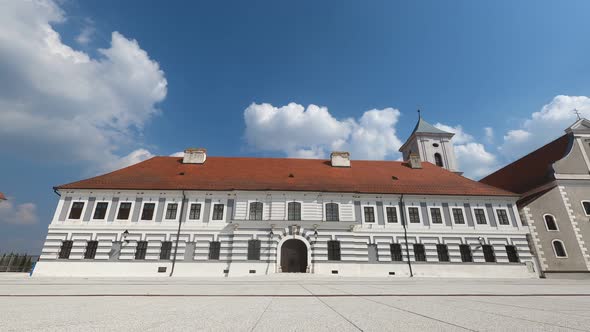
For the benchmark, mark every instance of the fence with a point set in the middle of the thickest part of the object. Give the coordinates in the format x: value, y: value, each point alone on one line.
x: 17, y: 263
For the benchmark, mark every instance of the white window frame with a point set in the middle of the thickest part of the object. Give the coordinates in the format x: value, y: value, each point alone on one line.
x: 83, y: 209
x: 582, y: 203
x: 218, y: 201
x: 178, y: 210
x: 421, y: 223
x: 374, y: 206
x: 485, y: 213
x: 141, y: 210
x: 106, y: 217
x: 462, y: 208
x: 442, y: 215
x: 130, y: 210
x: 263, y: 208
x: 188, y: 211
x: 325, y: 210
x: 496, y: 208
x: 287, y: 209
x: 554, y: 220
x: 397, y: 213
x: 555, y: 252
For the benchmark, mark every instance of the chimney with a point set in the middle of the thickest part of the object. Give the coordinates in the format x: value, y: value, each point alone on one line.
x: 415, y: 161
x: 340, y: 159
x: 194, y: 156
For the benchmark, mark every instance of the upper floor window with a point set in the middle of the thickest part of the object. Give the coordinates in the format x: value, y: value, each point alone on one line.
x: 91, y: 247
x: 76, y: 210
x: 586, y: 206
x: 195, y: 211
x: 438, y: 160
x: 100, y: 212
x: 488, y: 253
x: 458, y: 216
x: 294, y: 211
x: 502, y: 217
x: 443, y: 252
x: 414, y: 214
x: 171, y: 211
x: 436, y: 216
x: 141, y: 249
x: 332, y: 212
x: 254, y: 250
x: 148, y: 211
x: 369, y: 214
x: 333, y: 250
x: 256, y: 211
x: 559, y: 249
x: 396, y: 252
x: 391, y: 212
x: 480, y: 216
x: 550, y: 223
x: 124, y: 211
x: 66, y: 248
x: 512, y: 254
x: 166, y: 250
x: 218, y: 211
x: 465, y: 250
x: 419, y: 252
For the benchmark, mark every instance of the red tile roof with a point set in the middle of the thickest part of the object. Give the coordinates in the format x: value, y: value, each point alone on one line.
x: 286, y: 174
x: 2, y: 197
x: 532, y: 170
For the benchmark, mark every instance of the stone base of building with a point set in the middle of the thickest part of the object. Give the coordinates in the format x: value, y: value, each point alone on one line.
x: 577, y: 275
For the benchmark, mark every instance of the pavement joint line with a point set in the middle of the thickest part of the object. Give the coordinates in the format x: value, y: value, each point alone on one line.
x: 262, y: 314
x: 522, y: 307
x: 294, y: 295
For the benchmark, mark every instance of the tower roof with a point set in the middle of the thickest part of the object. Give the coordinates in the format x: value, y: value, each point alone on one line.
x: 424, y: 127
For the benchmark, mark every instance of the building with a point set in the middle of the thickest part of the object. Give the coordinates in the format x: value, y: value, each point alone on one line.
x: 243, y: 216
x: 554, y: 184
x: 2, y: 197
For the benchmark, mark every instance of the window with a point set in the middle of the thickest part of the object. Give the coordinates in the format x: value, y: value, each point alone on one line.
x: 66, y: 248
x: 100, y: 212
x: 502, y: 217
x: 419, y: 253
x: 333, y: 250
x: 480, y: 216
x: 559, y: 249
x: 166, y: 250
x: 396, y: 252
x: 586, y: 206
x: 369, y: 214
x: 214, y: 248
x: 256, y: 211
x: 438, y: 160
x: 294, y: 211
x: 458, y: 216
x: 124, y: 211
x: 148, y: 211
x: 391, y: 214
x: 332, y: 212
x: 488, y: 253
x: 414, y: 214
x: 140, y: 250
x: 443, y: 252
x: 171, y: 210
x: 76, y: 210
x: 218, y: 211
x: 254, y: 250
x: 90, y: 249
x: 195, y: 211
x: 465, y: 253
x: 512, y: 254
x: 550, y: 223
x: 435, y: 216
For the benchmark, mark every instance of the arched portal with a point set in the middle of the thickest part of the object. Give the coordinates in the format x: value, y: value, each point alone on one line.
x: 294, y: 256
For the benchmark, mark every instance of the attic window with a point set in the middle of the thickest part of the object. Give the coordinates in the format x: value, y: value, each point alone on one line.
x: 181, y: 173
x: 291, y: 175
x: 393, y: 177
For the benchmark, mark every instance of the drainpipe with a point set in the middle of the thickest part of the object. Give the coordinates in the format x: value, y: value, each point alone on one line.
x: 403, y: 215
x: 178, y: 232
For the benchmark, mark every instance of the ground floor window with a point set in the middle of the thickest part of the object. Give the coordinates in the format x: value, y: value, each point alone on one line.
x: 333, y: 250
x: 465, y: 250
x: 66, y: 248
x: 488, y: 253
x: 90, y: 252
x: 214, y: 248
x: 443, y: 252
x: 254, y: 250
x: 419, y: 253
x: 512, y: 254
x: 166, y: 250
x: 140, y: 250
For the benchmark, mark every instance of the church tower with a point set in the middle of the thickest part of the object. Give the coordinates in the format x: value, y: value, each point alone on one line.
x: 431, y: 145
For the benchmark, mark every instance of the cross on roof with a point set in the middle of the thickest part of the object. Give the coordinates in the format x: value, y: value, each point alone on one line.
x: 575, y: 111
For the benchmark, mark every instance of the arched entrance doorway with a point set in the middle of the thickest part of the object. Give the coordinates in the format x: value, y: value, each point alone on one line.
x: 293, y: 256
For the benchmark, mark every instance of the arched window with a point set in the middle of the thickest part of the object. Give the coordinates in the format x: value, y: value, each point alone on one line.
x: 438, y: 160
x: 256, y: 211
x: 550, y: 223
x: 294, y: 211
x: 332, y: 212
x: 559, y: 249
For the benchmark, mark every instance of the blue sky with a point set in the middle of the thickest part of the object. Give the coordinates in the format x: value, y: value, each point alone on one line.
x: 89, y: 86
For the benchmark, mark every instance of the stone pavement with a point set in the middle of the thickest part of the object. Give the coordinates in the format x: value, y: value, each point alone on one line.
x: 293, y: 303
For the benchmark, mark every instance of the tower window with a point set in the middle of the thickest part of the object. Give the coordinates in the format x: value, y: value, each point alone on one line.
x: 550, y: 223
x: 438, y: 160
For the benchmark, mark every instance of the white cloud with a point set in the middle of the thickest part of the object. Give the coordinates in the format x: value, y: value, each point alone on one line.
x: 489, y: 134
x: 87, y: 32
x: 60, y: 104
x: 21, y: 214
x: 177, y: 154
x: 314, y: 132
x: 460, y: 137
x: 132, y: 158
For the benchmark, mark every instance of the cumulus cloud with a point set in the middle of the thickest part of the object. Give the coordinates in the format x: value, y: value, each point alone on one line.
x: 489, y: 134
x: 313, y: 132
x: 57, y: 103
x: 87, y: 32
x: 19, y: 214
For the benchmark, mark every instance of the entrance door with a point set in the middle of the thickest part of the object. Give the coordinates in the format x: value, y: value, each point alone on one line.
x: 294, y: 256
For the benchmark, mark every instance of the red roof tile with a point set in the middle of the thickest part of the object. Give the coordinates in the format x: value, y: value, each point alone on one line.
x: 2, y: 197
x: 286, y: 174
x: 532, y: 170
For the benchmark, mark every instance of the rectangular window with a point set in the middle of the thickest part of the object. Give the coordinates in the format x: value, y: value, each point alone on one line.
x: 166, y: 250
x: 512, y: 254
x: 369, y: 214
x: 195, y: 212
x: 465, y: 253
x: 333, y: 250
x: 443, y: 252
x: 218, y: 211
x: 254, y: 250
x: 488, y: 253
x: 332, y: 212
x: 66, y: 248
x: 91, y: 247
x: 140, y: 250
x: 391, y: 214
x: 586, y: 206
x: 214, y: 249
x: 256, y: 211
x: 171, y: 211
x: 502, y: 217
x: 294, y: 211
x: 100, y: 212
x: 436, y: 216
x: 76, y: 210
x: 458, y: 216
x: 124, y: 211
x: 419, y: 253
x: 396, y: 252
x: 480, y: 216
x: 414, y: 215
x: 148, y: 211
